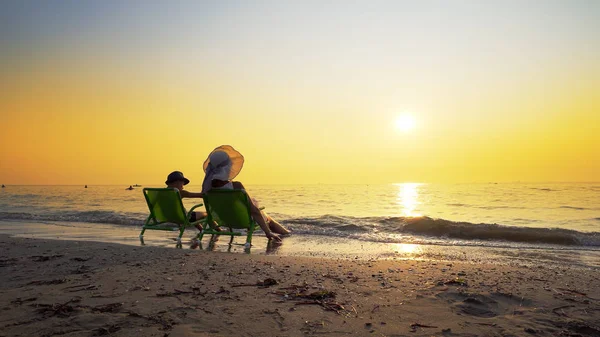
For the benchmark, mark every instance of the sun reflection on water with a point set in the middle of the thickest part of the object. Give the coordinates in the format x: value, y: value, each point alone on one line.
x: 408, y: 198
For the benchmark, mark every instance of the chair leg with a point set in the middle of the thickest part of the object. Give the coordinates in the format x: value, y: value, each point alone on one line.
x: 142, y: 233
x: 248, y: 241
x: 180, y: 234
x: 211, y: 245
x: 249, y: 237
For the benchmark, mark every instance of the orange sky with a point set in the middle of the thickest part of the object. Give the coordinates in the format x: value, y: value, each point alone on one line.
x: 499, y: 92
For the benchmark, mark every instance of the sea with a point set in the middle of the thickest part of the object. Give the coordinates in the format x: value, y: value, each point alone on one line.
x: 534, y: 216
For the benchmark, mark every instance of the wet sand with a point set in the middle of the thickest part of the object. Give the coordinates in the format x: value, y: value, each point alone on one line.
x: 320, y: 246
x: 84, y: 288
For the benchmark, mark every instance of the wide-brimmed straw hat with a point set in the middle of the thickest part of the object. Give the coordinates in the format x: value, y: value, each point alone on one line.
x: 219, y: 157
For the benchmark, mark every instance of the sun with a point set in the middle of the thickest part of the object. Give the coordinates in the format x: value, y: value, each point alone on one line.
x: 405, y: 123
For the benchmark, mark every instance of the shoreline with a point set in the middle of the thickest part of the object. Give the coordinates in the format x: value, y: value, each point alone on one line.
x: 86, y: 288
x: 299, y: 245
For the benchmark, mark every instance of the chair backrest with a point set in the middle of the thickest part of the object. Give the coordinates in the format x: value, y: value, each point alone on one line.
x: 230, y: 208
x: 165, y: 205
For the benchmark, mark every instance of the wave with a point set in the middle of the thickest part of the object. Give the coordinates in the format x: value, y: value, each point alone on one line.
x: 446, y: 229
x: 574, y: 207
x: 482, y: 231
x: 380, y: 229
x: 501, y: 207
x: 486, y: 207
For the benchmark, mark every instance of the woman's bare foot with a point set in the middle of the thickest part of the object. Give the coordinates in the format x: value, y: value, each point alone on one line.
x: 275, y: 237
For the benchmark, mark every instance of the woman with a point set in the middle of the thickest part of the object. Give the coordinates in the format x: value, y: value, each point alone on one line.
x: 222, y: 165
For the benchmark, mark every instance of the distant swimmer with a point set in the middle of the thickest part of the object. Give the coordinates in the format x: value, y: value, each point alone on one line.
x: 129, y: 188
x: 3, y: 186
x: 136, y: 185
x: 85, y: 186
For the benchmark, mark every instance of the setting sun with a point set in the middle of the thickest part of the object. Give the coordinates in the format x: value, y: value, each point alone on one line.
x: 433, y: 163
x: 405, y: 123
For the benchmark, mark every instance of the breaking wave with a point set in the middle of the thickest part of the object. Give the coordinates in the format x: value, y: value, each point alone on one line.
x: 380, y: 229
x: 446, y: 229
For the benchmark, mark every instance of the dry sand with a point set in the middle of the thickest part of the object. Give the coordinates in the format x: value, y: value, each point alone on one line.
x: 69, y: 288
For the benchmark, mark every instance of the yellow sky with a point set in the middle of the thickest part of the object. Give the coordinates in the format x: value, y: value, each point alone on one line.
x: 89, y: 103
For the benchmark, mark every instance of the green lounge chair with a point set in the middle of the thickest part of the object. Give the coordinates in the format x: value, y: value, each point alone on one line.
x: 166, y: 207
x: 230, y: 209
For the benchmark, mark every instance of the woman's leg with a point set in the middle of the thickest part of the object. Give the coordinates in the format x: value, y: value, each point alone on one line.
x: 262, y: 221
x: 276, y: 226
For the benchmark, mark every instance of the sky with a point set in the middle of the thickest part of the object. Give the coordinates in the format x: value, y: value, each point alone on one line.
x: 124, y: 92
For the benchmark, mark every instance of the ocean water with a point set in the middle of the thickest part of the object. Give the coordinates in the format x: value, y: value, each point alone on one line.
x: 555, y: 215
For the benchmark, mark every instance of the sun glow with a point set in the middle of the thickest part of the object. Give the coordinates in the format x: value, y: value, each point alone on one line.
x: 405, y: 123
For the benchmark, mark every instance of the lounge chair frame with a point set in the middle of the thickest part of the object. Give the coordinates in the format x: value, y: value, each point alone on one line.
x: 166, y: 207
x: 229, y: 209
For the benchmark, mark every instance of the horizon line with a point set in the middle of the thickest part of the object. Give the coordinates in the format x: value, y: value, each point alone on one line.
x: 389, y: 183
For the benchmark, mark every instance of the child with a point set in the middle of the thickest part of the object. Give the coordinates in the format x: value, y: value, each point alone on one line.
x: 176, y: 180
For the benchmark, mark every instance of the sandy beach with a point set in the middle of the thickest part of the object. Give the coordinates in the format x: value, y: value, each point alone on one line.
x: 82, y: 288
x: 432, y: 167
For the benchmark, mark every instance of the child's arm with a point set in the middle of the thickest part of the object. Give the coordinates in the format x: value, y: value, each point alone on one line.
x: 186, y: 194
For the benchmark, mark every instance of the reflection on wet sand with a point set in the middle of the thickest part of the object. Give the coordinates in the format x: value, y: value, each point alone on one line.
x: 408, y: 250
x: 272, y: 247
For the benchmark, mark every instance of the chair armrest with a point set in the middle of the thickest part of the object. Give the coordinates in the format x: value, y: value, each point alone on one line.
x: 192, y: 209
